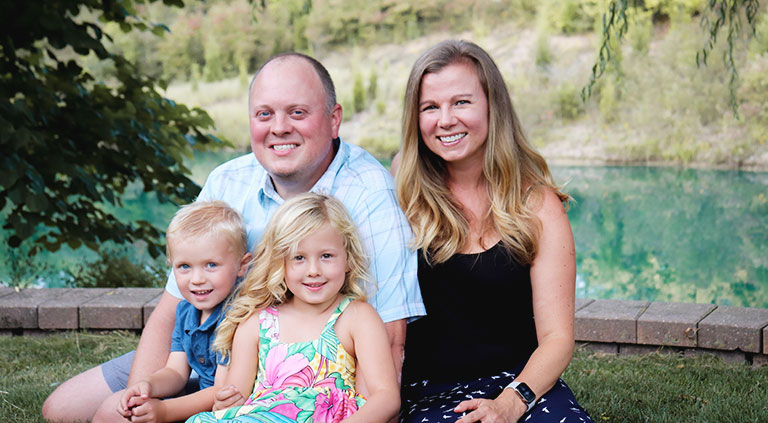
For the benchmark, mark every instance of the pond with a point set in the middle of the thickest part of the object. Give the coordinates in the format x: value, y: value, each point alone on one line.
x: 642, y: 233
x: 667, y: 234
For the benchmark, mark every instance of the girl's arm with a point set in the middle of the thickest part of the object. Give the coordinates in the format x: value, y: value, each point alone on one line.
x: 553, y: 278
x: 374, y: 359
x: 244, y: 357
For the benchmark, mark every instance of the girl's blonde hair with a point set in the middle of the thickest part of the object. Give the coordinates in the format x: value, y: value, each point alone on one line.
x: 264, y: 285
x: 510, y: 164
x: 208, y: 218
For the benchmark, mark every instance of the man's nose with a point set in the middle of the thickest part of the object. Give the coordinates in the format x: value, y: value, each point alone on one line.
x: 281, y: 125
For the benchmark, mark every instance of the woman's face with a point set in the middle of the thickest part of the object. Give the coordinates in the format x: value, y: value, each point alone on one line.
x: 453, y: 114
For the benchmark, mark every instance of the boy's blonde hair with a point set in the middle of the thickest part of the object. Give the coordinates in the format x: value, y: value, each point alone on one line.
x: 208, y: 218
x: 265, y: 285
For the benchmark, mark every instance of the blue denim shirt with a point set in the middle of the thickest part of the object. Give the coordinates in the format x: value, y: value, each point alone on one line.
x: 195, y: 340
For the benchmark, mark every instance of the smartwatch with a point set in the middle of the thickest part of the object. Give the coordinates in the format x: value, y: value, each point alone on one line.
x: 524, y: 392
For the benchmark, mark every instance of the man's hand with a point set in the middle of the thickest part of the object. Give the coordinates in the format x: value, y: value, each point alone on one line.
x: 227, y: 397
x: 153, y: 410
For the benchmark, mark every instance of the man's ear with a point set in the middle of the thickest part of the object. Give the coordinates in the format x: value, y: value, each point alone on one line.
x: 336, y: 115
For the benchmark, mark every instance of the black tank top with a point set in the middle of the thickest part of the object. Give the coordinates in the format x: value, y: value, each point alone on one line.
x: 479, y: 318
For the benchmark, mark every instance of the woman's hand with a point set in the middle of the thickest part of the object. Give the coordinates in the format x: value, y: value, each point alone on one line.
x: 507, y: 408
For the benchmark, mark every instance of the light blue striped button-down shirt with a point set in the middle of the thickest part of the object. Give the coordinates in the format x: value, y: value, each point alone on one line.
x: 366, y: 189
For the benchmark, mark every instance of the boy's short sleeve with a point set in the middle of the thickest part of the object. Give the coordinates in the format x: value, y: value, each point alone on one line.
x: 178, y: 328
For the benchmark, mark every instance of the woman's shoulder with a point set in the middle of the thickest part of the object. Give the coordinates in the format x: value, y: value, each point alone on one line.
x: 543, y: 200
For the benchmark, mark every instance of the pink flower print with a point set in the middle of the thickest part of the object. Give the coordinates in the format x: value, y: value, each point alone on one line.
x: 333, y: 407
x: 288, y: 410
x: 279, y: 367
x: 302, y: 378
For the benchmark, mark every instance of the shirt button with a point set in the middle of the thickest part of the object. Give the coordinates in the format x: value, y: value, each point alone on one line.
x: 202, y: 360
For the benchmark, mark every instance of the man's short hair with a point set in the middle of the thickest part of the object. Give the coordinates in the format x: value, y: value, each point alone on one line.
x: 320, y: 70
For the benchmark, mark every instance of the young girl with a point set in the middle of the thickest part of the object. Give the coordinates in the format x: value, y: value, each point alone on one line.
x: 302, y: 308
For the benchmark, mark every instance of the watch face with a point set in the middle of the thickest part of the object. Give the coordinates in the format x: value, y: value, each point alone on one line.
x: 526, y: 392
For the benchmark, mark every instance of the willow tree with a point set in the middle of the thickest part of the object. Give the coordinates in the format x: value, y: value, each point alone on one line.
x: 72, y: 140
x: 717, y: 16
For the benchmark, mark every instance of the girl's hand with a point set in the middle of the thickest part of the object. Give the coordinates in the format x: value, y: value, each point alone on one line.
x: 153, y: 410
x: 504, y: 409
x: 227, y: 397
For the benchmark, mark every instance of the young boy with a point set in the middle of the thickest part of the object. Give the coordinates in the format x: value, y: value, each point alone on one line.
x: 207, y: 248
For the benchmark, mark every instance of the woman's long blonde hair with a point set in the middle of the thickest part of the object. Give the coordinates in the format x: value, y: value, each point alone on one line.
x: 264, y: 285
x: 510, y: 165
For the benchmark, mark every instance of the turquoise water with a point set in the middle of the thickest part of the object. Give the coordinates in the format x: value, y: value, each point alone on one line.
x: 666, y: 234
x: 642, y: 233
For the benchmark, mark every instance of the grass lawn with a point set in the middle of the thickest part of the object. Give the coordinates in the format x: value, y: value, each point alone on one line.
x: 651, y: 388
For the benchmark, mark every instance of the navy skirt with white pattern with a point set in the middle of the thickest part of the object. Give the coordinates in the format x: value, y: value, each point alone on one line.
x: 425, y: 402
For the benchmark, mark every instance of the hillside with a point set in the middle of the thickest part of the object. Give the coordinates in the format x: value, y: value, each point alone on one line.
x: 657, y: 108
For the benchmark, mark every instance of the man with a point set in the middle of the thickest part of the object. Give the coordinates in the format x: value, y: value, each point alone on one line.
x: 294, y: 124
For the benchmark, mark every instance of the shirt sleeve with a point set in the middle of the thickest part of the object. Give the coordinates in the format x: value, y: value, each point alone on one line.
x: 178, y: 329
x: 393, y: 265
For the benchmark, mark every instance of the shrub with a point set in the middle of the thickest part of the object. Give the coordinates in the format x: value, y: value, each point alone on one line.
x: 119, y: 266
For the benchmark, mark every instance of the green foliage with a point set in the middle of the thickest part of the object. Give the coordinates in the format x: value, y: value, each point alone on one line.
x: 568, y: 105
x: 118, y: 267
x: 543, y: 51
x: 72, y: 142
x: 715, y: 16
x: 373, y: 85
x: 358, y: 94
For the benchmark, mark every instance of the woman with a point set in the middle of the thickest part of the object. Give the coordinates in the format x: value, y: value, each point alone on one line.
x: 496, y: 257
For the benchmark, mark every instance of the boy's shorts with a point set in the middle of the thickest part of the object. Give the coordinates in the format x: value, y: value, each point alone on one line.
x: 116, y: 373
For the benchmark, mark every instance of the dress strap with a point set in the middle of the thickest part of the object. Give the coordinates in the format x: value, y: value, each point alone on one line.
x: 328, y: 342
x: 336, y: 313
x: 269, y: 328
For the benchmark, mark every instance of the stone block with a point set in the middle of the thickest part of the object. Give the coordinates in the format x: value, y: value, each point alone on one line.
x: 598, y: 347
x: 582, y: 302
x: 609, y: 321
x: 673, y: 324
x: 4, y: 290
x: 19, y: 309
x: 734, y: 328
x: 150, y: 306
x: 759, y: 360
x: 118, y: 308
x: 765, y: 340
x: 62, y: 312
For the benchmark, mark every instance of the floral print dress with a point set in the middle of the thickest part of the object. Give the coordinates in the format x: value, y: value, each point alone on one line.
x: 312, y: 382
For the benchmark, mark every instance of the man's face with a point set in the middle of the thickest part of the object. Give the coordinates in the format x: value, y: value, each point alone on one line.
x: 291, y: 129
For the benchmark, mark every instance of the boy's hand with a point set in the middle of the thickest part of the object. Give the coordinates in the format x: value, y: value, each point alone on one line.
x: 152, y: 410
x: 133, y: 396
x: 227, y: 397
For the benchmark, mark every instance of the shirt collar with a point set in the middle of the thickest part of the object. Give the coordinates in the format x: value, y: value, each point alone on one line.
x: 267, y: 188
x: 213, y: 319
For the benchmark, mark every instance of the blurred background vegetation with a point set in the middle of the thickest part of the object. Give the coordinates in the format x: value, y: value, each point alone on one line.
x: 652, y: 105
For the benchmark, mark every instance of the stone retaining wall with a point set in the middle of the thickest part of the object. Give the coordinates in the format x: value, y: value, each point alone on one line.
x: 611, y: 326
